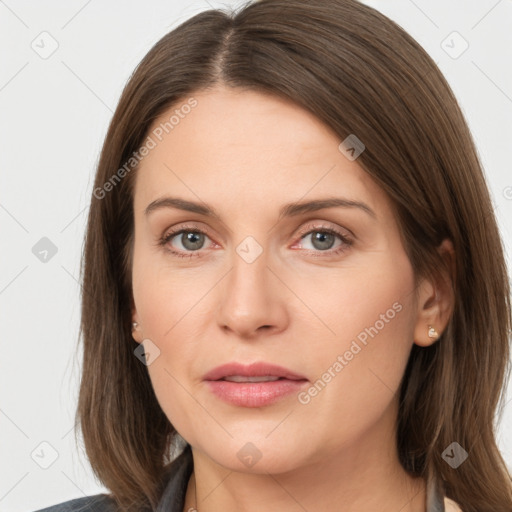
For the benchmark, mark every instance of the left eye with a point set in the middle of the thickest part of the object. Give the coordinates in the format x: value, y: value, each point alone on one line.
x: 323, y: 240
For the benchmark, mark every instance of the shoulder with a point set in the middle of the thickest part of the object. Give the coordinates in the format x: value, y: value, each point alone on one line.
x: 96, y: 503
x: 451, y: 506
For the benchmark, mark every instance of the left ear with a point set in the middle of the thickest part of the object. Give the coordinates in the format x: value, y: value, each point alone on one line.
x: 435, y: 300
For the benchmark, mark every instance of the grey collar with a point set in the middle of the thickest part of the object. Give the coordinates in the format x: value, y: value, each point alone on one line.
x: 173, y: 497
x: 435, y: 495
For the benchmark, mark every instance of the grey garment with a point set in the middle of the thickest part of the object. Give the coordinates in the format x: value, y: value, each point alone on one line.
x: 173, y: 497
x: 172, y: 500
x: 96, y: 503
x: 435, y: 495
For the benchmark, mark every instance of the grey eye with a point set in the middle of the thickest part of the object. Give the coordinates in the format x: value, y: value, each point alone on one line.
x: 191, y: 240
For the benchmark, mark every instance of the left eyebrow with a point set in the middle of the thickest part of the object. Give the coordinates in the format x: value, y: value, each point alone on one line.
x: 288, y: 210
x: 292, y: 209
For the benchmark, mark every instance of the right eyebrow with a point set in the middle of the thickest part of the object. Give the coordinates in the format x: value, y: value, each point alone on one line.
x: 181, y: 204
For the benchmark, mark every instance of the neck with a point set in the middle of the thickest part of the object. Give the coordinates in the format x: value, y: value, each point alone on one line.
x: 241, y: 492
x: 365, y: 474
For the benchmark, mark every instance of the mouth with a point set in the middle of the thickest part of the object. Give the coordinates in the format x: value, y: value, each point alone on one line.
x: 256, y: 385
x: 241, y: 378
x: 262, y: 371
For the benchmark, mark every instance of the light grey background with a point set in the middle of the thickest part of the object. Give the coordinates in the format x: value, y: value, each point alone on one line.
x: 54, y: 116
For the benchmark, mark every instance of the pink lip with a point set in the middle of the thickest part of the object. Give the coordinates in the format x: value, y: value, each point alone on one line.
x: 253, y: 394
x: 259, y: 369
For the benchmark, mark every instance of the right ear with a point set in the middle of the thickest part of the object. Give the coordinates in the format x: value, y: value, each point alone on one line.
x: 135, y: 327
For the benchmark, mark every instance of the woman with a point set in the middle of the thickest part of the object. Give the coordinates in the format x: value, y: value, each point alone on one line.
x: 295, y: 294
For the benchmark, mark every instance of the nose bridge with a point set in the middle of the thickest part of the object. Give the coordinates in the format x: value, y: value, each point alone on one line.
x: 249, y: 275
x: 249, y: 299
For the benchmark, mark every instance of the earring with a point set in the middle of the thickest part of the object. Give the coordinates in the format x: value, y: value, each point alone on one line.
x: 134, y: 325
x: 432, y: 333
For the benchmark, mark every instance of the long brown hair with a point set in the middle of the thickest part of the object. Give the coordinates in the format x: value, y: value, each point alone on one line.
x: 361, y: 74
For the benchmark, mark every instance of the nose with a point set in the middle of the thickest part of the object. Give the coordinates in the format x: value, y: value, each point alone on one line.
x: 252, y: 299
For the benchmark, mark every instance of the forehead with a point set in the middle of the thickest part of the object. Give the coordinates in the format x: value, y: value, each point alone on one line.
x: 237, y: 147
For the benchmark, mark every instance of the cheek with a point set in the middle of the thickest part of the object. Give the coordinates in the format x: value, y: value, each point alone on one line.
x: 380, y: 320
x: 357, y: 382
x: 162, y: 294
x: 167, y: 303
x: 370, y: 299
x: 170, y: 372
x: 373, y: 321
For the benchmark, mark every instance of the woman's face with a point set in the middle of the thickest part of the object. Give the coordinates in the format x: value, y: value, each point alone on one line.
x: 326, y: 293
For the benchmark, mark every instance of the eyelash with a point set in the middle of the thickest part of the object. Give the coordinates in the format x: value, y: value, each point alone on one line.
x: 303, y: 233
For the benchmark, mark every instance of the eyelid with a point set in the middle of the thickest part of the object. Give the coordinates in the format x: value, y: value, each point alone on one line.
x: 187, y: 226
x: 175, y: 231
x: 321, y: 224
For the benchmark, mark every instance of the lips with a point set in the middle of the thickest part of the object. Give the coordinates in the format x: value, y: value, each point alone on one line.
x: 255, y: 385
x: 259, y: 369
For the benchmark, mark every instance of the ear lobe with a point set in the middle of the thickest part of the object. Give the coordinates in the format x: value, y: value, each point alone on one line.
x: 136, y: 332
x: 436, y: 300
x: 135, y: 327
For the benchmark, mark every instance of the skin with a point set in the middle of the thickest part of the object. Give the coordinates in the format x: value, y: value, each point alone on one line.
x: 246, y: 154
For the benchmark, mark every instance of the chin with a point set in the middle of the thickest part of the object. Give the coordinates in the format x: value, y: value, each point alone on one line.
x: 260, y: 456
